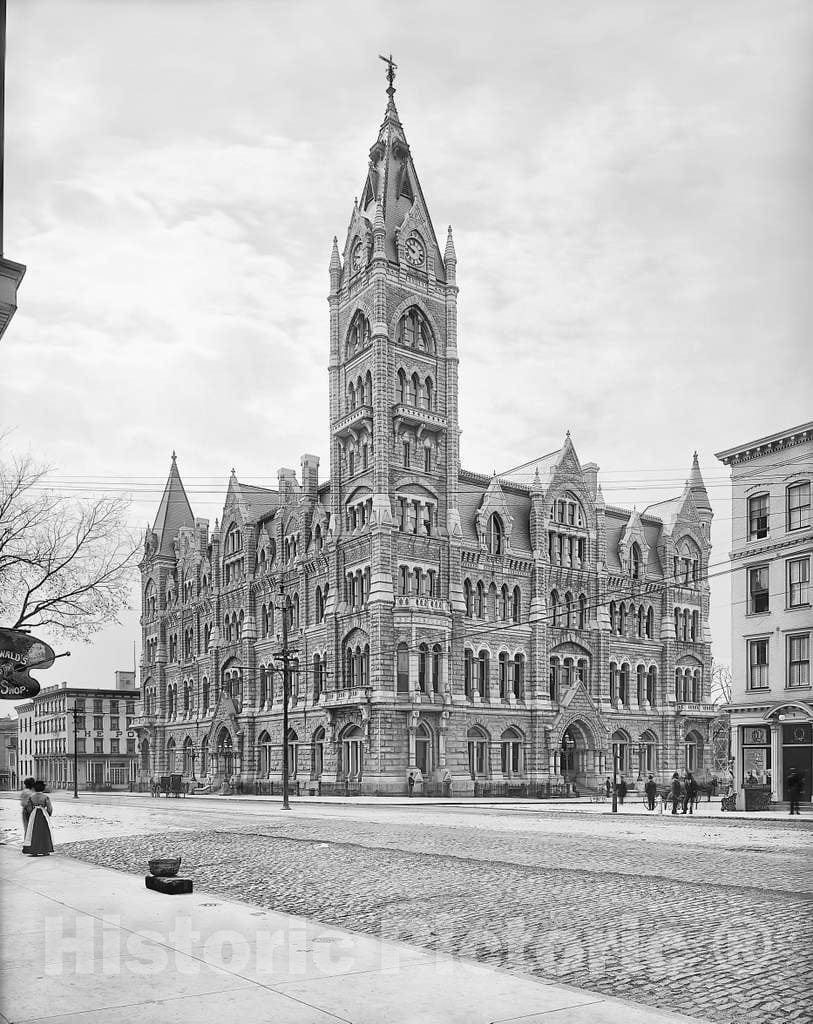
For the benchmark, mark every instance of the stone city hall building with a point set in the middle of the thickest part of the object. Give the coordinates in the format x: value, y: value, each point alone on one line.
x: 498, y: 633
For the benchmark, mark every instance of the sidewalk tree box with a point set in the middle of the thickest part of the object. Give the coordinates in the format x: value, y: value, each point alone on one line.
x: 170, y: 886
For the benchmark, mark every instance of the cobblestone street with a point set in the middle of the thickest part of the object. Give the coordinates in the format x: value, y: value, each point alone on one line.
x: 708, y: 918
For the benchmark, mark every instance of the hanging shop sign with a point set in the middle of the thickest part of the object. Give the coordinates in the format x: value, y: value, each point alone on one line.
x: 19, y: 654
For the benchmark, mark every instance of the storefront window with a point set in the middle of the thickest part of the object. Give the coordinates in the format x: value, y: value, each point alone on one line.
x: 756, y: 756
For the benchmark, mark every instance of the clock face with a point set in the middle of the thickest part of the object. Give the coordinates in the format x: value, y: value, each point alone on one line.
x: 414, y: 252
x: 358, y: 257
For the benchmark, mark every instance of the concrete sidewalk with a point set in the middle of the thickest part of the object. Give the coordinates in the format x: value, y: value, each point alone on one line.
x: 83, y: 944
x: 632, y: 806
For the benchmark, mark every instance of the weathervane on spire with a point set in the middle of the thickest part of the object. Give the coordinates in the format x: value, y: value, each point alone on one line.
x: 391, y: 66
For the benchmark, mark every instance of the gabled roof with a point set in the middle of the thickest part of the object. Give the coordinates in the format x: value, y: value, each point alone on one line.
x: 173, y: 512
x: 255, y: 502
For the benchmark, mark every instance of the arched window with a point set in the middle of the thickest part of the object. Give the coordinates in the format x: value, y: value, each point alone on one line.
x: 414, y: 390
x: 358, y: 334
x: 187, y: 756
x: 403, y: 391
x: 613, y: 683
x: 502, y: 663
x: 495, y: 534
x: 482, y: 674
x: 695, y: 628
x: 624, y: 685
x: 640, y: 673
x: 351, y: 754
x: 205, y: 695
x: 423, y: 749
x: 264, y: 754
x: 292, y: 749
x: 481, y: 600
x: 554, y: 608
x: 468, y: 672
x: 516, y: 605
x: 171, y: 757
x: 694, y: 751
x: 635, y: 561
x: 414, y: 331
x: 651, y: 685
x: 554, y: 679
x: 436, y: 656
x: 150, y: 600
x: 511, y: 753
x: 368, y: 388
x: 519, y: 676
x: 648, y: 752
x: 582, y: 612
x: 423, y: 667
x: 613, y: 622
x: 568, y: 610
x: 429, y: 390
x: 505, y: 603
x: 697, y: 688
x: 622, y: 619
x: 318, y: 753
x: 467, y: 596
x: 477, y: 741
x: 351, y: 396
x: 620, y: 746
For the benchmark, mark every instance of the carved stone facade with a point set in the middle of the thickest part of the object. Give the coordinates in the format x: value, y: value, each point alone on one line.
x: 506, y: 631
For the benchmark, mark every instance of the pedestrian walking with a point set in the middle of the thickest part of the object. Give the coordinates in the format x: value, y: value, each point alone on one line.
x: 651, y: 790
x: 609, y: 787
x: 38, y: 842
x: 675, y: 791
x: 25, y: 795
x: 794, y: 785
x: 622, y: 790
x: 411, y: 783
x: 690, y: 794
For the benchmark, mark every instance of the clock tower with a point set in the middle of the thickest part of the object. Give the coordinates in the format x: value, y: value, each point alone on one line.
x: 393, y: 414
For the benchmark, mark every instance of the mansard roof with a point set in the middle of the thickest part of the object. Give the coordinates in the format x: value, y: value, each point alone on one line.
x: 173, y: 512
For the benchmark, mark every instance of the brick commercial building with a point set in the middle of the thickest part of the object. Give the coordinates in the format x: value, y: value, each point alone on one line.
x: 105, y: 738
x: 771, y: 615
x: 493, y: 632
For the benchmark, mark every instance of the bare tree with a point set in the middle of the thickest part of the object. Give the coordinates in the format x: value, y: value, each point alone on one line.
x: 721, y: 681
x: 65, y: 565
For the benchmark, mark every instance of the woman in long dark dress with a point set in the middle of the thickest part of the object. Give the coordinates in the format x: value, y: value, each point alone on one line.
x: 38, y: 842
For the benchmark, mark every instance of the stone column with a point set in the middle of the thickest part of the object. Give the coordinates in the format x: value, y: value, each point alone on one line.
x: 776, y: 761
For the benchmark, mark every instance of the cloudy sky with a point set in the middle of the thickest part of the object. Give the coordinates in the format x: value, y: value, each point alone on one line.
x: 629, y: 185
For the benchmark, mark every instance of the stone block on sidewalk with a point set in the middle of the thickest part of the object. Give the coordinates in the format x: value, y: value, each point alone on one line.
x: 170, y: 886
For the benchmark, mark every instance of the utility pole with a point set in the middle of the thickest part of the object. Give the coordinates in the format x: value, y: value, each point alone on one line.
x: 615, y: 778
x: 75, y: 755
x: 286, y: 687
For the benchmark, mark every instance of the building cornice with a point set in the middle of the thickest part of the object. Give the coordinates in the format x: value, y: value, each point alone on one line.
x: 778, y: 442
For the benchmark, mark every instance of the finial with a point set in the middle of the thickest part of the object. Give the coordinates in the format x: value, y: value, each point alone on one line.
x: 391, y: 66
x: 567, y: 433
x: 335, y: 259
x: 233, y: 472
x: 694, y: 457
x: 174, y: 456
x: 450, y: 253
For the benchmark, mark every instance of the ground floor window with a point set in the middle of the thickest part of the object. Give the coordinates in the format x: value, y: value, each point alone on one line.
x: 478, y: 753
x: 351, y: 752
x: 511, y: 753
x: 118, y: 775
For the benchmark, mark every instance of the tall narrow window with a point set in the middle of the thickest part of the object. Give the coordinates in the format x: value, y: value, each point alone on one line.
x: 406, y: 454
x: 758, y: 664
x: 427, y: 460
x: 758, y: 600
x: 403, y: 668
x: 798, y: 582
x: 758, y: 517
x: 798, y: 506
x: 799, y: 660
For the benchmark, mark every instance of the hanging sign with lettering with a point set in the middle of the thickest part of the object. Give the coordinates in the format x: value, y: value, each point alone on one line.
x: 19, y: 654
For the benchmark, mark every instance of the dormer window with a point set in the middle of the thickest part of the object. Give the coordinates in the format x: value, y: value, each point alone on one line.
x: 495, y: 534
x: 635, y: 562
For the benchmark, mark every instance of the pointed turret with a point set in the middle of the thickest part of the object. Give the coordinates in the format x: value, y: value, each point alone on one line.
x: 698, y: 487
x: 335, y: 267
x: 173, y: 512
x: 450, y: 257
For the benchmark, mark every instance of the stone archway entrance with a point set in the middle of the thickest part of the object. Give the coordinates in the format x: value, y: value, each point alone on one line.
x: 223, y: 767
x: 577, y: 757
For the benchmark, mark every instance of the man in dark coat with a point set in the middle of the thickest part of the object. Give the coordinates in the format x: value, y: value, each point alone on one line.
x: 651, y: 790
x: 675, y: 792
x: 794, y: 785
x: 622, y: 789
x: 690, y: 796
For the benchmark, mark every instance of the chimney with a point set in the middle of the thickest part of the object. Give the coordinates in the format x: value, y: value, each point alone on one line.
x: 287, y: 483
x: 310, y: 476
